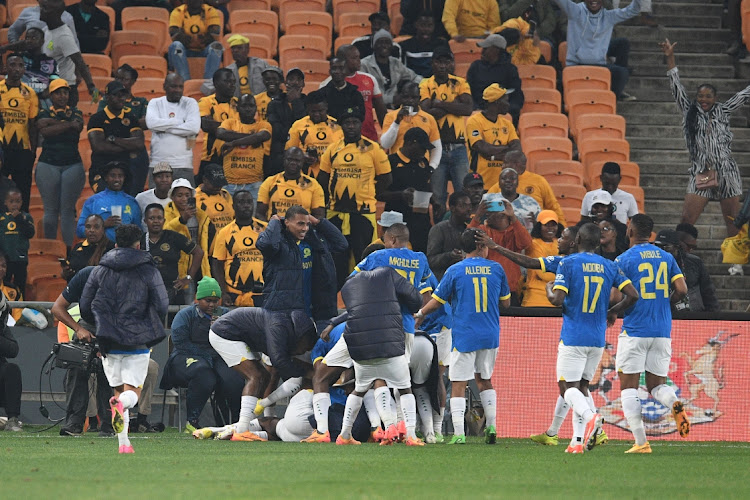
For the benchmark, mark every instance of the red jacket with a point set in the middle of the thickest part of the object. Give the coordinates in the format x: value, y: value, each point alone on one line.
x: 515, y: 238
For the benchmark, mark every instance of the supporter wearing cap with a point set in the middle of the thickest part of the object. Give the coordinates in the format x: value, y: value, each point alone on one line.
x: 448, y: 99
x: 544, y: 235
x: 388, y: 71
x: 602, y: 208
x: 470, y: 18
x: 212, y: 198
x: 214, y: 109
x: 495, y: 67
x: 273, y: 77
x: 624, y: 204
x: 491, y: 135
x: 378, y: 21
x: 194, y: 28
x: 283, y: 111
x: 247, y: 70
x: 162, y: 180
x: 291, y: 187
x: 115, y: 135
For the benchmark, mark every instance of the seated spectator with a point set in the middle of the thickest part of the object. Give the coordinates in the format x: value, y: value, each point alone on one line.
x: 291, y: 187
x: 417, y: 50
x: 10, y: 373
x: 506, y: 230
x: 365, y: 44
x: 610, y: 247
x: 194, y: 364
x: 161, y: 178
x: 110, y: 202
x: 625, y: 205
x: 589, y: 33
x: 16, y: 229
x: 544, y: 236
x: 470, y: 19
x: 531, y: 184
x: 174, y: 121
x: 59, y: 173
x: 273, y: 78
x: 88, y: 252
x: 30, y: 16
x: 41, y: 69
x: 444, y: 238
x: 247, y: 70
x: 388, y: 71
x: 316, y: 131
x: 522, y: 47
x: 246, y: 148
x: 495, y: 66
x: 285, y: 109
x: 115, y: 132
x: 214, y: 109
x: 412, y: 10
x: 194, y: 28
x: 526, y: 208
x: 92, y: 26
x: 11, y: 291
x: 237, y: 263
x: 602, y: 208
x: 340, y: 94
x: 688, y: 236
x: 540, y: 14
x: 491, y: 136
x: 167, y: 248
x: 212, y: 198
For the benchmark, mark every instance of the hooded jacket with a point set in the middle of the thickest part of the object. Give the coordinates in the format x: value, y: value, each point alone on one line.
x: 127, y: 297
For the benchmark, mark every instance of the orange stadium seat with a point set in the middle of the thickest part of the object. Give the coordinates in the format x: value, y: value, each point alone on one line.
x: 248, y: 5
x: 286, y: 6
x: 149, y: 88
x: 630, y: 174
x: 315, y: 71
x: 562, y: 52
x: 193, y: 89
x: 586, y: 102
x: 147, y: 66
x: 15, y: 7
x: 546, y: 148
x: 637, y: 193
x: 342, y: 40
x: 346, y: 6
x: 394, y: 12
x: 464, y: 53
x: 603, y: 150
x: 46, y: 288
x: 541, y: 101
x: 99, y: 65
x: 546, y: 49
x: 572, y: 215
x: 100, y: 82
x: 126, y: 42
x: 537, y: 76
x: 569, y: 195
x: 3, y: 15
x: 295, y: 47
x: 543, y: 125
x: 153, y: 19
x: 260, y: 46
x: 47, y: 249
x: 111, y: 14
x: 561, y: 171
x: 585, y: 78
x: 310, y: 23
x: 3, y: 36
x: 354, y: 24
x: 600, y: 126
x: 257, y: 21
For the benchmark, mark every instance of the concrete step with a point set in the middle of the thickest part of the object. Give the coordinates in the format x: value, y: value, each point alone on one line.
x: 735, y: 305
x: 643, y: 155
x: 726, y: 86
x: 652, y: 55
x: 683, y: 48
x: 674, y: 130
x: 650, y: 67
x: 676, y: 143
x: 681, y: 20
x: 679, y: 10
x: 675, y: 34
x: 671, y: 118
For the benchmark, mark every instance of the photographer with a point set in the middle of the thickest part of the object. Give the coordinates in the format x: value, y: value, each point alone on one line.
x: 10, y: 373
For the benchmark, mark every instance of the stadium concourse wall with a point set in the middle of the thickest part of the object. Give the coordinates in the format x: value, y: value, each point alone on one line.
x: 709, y: 371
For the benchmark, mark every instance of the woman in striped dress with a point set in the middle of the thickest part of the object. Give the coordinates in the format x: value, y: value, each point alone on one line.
x: 709, y: 141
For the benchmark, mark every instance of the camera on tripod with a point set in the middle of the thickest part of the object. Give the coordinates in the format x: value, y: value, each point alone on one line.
x: 75, y: 355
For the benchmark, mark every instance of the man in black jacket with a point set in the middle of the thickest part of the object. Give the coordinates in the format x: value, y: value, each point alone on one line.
x: 92, y: 26
x: 10, y: 373
x: 340, y: 94
x: 298, y: 269
x: 282, y: 112
x: 375, y: 339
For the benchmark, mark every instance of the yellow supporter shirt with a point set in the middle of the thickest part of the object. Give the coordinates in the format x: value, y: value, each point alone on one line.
x: 452, y: 127
x: 244, y: 164
x: 537, y: 187
x: 12, y: 294
x: 217, y: 111
x: 497, y: 133
x: 18, y: 105
x: 279, y: 194
x: 262, y: 100
x: 470, y: 18
x: 244, y: 82
x: 195, y: 25
x: 243, y: 262
x: 353, y: 168
x: 304, y: 134
x: 422, y: 120
x: 535, y: 293
x: 218, y: 207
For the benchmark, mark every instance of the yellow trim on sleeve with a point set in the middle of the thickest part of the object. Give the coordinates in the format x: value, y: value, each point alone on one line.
x: 505, y: 297
x: 541, y: 261
x: 677, y: 276
x: 356, y: 268
x: 425, y: 290
x: 439, y: 299
x: 95, y: 130
x: 560, y: 287
x: 624, y: 284
x: 317, y: 359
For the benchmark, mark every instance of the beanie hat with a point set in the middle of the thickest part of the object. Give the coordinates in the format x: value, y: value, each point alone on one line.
x: 208, y: 287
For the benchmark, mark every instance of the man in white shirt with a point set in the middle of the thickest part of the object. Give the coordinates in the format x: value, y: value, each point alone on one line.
x: 624, y: 203
x: 161, y: 179
x: 174, y: 121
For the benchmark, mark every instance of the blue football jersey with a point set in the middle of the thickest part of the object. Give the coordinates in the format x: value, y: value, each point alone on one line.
x: 587, y: 279
x: 652, y: 271
x: 410, y: 264
x: 442, y: 318
x: 474, y: 288
x: 550, y: 263
x: 319, y: 351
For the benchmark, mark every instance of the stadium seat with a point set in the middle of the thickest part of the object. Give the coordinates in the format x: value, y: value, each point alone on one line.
x: 15, y: 8
x: 546, y: 48
x: 193, y: 89
x: 47, y: 249
x: 100, y: 82
x: 286, y: 6
x: 537, y: 76
x: 126, y: 42
x: 585, y: 78
x: 346, y: 6
x: 569, y: 195
x: 111, y: 14
x: 342, y: 40
x: 257, y: 21
x: 630, y: 174
x: 543, y: 125
x: 196, y: 66
x: 147, y: 66
x: 295, y: 47
x: 354, y: 24
x: 394, y: 12
x: 315, y: 71
x: 45, y: 288
x: 149, y: 88
x: 546, y: 148
x: 152, y: 19
x: 464, y: 53
x: 248, y: 5
x: 3, y: 15
x: 260, y: 46
x: 585, y: 102
x: 572, y: 215
x: 3, y: 36
x: 603, y: 150
x: 637, y: 193
x: 600, y: 126
x: 541, y: 100
x: 99, y: 64
x: 562, y: 52
x: 307, y: 23
x: 39, y: 266
x: 561, y: 171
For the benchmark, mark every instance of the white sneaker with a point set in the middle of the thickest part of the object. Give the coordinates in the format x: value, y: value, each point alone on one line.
x: 226, y: 434
x: 736, y: 270
x: 430, y: 438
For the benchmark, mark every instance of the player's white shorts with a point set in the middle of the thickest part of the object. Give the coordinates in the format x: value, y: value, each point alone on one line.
x: 465, y: 364
x: 295, y: 426
x: 576, y: 363
x: 339, y: 355
x: 128, y: 369
x: 408, y: 345
x: 639, y: 354
x: 233, y: 352
x: 394, y: 371
x: 443, y: 341
x: 421, y: 359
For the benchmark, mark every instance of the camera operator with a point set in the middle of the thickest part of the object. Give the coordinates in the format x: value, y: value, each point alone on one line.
x: 10, y: 373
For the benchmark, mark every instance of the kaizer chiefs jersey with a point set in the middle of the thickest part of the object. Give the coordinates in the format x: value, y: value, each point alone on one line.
x: 452, y: 127
x: 218, y: 207
x: 279, y: 194
x: 217, y: 111
x: 243, y: 262
x: 304, y: 134
x: 19, y: 105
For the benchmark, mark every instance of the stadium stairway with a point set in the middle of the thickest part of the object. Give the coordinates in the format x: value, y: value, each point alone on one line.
x: 654, y: 126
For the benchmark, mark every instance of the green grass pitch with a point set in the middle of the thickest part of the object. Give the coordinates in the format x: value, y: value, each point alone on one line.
x: 173, y: 465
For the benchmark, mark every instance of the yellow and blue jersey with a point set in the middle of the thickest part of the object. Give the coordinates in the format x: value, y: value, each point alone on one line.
x: 442, y: 318
x: 550, y: 263
x: 474, y: 287
x: 652, y: 271
x: 587, y: 279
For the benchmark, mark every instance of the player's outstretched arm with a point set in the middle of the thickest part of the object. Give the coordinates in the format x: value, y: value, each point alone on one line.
x: 630, y: 296
x: 517, y: 258
x: 679, y: 292
x: 428, y: 308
